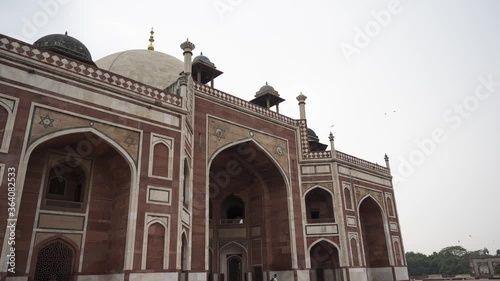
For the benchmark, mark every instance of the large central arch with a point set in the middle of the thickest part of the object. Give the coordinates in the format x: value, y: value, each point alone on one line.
x: 249, y: 202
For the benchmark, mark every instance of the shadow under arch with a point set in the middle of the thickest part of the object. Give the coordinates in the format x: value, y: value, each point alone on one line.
x: 83, y: 130
x: 320, y: 187
x: 246, y: 166
x: 375, y: 235
x: 262, y: 148
x: 369, y: 196
x: 319, y: 205
x: 88, y: 131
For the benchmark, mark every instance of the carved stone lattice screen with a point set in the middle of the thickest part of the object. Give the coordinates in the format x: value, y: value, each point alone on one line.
x: 54, y: 263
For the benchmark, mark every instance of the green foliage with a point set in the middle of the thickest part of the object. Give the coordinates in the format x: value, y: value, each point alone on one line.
x: 498, y: 252
x: 451, y: 260
x: 418, y: 264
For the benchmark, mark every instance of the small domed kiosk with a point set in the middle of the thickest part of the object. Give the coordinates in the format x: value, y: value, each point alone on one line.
x: 65, y: 45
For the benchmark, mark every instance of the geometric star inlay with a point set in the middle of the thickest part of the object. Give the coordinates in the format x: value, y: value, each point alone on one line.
x: 129, y: 140
x: 219, y: 133
x: 279, y: 150
x: 46, y: 121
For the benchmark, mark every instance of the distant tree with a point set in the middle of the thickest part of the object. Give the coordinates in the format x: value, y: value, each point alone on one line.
x: 434, y: 263
x: 454, y: 251
x: 418, y: 264
x: 453, y: 260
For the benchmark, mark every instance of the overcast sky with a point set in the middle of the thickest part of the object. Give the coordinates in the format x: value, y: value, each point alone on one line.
x: 414, y: 79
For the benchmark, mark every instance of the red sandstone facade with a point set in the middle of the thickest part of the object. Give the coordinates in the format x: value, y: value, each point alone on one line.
x: 119, y: 180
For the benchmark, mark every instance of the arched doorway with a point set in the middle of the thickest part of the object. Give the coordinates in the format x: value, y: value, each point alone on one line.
x: 319, y: 206
x: 55, y: 262
x: 234, y: 268
x: 233, y: 261
x: 325, y: 262
x: 373, y: 233
x: 248, y: 205
x: 74, y: 175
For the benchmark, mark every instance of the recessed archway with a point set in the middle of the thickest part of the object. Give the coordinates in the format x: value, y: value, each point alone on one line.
x: 319, y: 206
x: 82, y: 171
x: 325, y: 262
x: 373, y: 233
x: 233, y: 261
x: 244, y: 177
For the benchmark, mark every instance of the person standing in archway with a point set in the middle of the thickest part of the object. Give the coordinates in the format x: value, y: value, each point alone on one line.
x: 274, y: 278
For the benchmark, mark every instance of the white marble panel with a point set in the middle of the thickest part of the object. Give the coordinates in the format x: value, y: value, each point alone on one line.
x: 358, y: 274
x: 185, y: 217
x: 159, y: 195
x: 153, y: 276
x: 351, y: 221
x: 104, y: 277
x: 303, y: 275
x: 401, y: 273
x: 323, y: 169
x: 393, y: 226
x: 361, y: 175
x: 307, y: 169
x: 197, y: 276
x: 322, y: 229
x: 380, y: 274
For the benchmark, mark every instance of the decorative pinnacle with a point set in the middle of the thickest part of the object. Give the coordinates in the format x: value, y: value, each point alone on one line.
x: 151, y: 40
x: 331, y: 137
x: 301, y: 97
x: 386, y: 158
x: 187, y: 46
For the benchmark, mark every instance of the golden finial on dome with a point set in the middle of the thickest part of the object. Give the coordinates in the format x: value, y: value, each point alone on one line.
x: 151, y: 40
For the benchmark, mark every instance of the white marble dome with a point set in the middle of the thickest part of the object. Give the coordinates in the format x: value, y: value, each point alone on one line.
x: 152, y: 68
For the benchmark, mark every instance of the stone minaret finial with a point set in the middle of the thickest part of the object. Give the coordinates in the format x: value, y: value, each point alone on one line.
x: 188, y: 48
x: 151, y: 40
x: 386, y: 158
x: 332, y: 145
x: 302, y: 105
